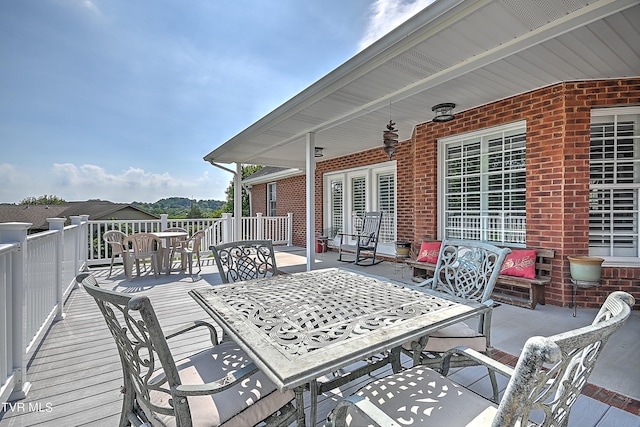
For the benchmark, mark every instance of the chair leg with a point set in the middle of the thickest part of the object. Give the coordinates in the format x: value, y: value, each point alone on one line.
x: 111, y: 267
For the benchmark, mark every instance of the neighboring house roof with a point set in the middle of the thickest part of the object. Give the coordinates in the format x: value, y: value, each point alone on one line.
x: 467, y: 53
x: 96, y: 209
x: 271, y: 173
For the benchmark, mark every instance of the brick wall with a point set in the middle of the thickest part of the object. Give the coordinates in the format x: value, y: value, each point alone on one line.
x: 557, y: 181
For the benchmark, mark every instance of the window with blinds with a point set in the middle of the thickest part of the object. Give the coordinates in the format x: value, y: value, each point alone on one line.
x: 271, y: 199
x: 484, y: 186
x: 614, y: 182
x: 337, y: 199
x: 387, y: 204
x: 350, y: 193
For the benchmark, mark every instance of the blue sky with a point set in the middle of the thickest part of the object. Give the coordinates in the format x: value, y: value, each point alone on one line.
x: 120, y: 99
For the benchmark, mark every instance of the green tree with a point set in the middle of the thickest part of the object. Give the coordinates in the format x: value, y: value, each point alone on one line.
x: 230, y: 191
x: 194, y: 212
x: 43, y: 200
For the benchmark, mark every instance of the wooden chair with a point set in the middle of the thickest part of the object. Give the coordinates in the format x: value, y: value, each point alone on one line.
x: 219, y: 385
x: 143, y: 246
x: 469, y: 270
x: 366, y: 240
x: 191, y: 247
x: 543, y: 386
x: 245, y: 260
x: 114, y: 238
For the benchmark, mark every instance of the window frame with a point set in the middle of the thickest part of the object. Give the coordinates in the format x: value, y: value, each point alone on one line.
x: 370, y: 173
x: 480, y: 135
x: 272, y: 194
x: 613, y: 260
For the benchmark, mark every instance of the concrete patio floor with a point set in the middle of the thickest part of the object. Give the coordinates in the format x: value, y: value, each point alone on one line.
x: 76, y: 370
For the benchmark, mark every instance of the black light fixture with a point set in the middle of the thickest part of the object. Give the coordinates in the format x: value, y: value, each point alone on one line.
x: 444, y: 112
x: 317, y: 151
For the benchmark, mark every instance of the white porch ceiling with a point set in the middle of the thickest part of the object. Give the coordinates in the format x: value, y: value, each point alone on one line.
x: 470, y: 53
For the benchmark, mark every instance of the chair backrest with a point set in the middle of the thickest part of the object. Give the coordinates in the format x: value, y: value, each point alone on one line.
x: 370, y: 228
x: 552, y: 371
x: 177, y: 241
x: 245, y: 260
x: 114, y: 238
x: 468, y: 269
x: 195, y: 241
x: 143, y: 244
x: 141, y: 344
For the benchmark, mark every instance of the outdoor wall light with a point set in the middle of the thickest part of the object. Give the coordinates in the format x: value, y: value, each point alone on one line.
x: 317, y: 151
x: 444, y: 112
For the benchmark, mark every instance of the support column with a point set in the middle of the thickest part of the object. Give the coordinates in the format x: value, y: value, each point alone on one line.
x: 237, y: 202
x: 58, y: 225
x: 311, y: 200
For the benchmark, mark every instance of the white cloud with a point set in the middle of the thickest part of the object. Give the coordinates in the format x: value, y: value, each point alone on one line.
x: 133, y: 184
x: 387, y: 15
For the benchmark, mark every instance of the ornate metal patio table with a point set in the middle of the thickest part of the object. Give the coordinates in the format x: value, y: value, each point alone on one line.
x: 299, y: 327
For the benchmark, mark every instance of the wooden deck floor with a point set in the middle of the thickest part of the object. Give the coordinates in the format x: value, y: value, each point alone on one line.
x: 76, y: 373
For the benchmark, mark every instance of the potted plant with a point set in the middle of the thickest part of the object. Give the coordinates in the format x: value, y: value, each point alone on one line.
x: 585, y: 268
x: 403, y: 248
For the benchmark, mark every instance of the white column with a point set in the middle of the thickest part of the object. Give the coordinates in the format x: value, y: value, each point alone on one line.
x: 237, y: 202
x: 311, y: 200
x: 163, y: 221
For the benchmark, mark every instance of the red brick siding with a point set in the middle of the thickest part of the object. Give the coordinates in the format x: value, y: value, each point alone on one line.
x: 557, y: 181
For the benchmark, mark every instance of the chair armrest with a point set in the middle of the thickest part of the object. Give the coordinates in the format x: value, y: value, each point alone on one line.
x: 365, y: 408
x: 216, y: 386
x: 193, y: 325
x: 494, y: 365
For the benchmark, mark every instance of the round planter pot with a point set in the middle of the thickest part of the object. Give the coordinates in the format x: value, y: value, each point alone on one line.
x: 403, y: 248
x: 585, y: 268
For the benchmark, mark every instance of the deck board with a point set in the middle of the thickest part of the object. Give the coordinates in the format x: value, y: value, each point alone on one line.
x: 76, y: 371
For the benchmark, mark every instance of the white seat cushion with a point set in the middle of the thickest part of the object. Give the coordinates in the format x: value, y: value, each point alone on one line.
x: 422, y: 397
x: 244, y: 404
x: 459, y: 334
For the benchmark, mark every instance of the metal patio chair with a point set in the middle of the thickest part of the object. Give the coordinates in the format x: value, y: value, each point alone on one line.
x: 545, y: 383
x: 466, y: 269
x: 219, y: 385
x: 114, y: 238
x: 245, y: 260
x: 366, y: 240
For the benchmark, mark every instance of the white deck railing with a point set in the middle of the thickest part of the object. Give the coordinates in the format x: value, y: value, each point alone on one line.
x: 37, y: 274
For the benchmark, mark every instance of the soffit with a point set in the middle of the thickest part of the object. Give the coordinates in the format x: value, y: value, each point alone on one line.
x: 468, y: 53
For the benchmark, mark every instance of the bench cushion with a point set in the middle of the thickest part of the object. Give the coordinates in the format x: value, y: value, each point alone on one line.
x: 520, y: 263
x: 429, y: 252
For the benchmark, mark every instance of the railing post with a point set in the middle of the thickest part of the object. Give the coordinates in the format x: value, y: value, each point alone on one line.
x: 11, y: 232
x: 84, y: 241
x: 290, y: 229
x: 58, y: 225
x: 259, y: 226
x: 76, y: 220
x: 164, y: 219
x: 227, y: 228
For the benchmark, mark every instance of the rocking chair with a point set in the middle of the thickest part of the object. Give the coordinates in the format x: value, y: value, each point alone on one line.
x: 366, y: 240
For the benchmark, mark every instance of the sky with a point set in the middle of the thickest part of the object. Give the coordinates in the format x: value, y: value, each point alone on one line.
x: 120, y: 100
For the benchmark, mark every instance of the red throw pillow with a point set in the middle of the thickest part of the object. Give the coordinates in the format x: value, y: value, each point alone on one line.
x: 520, y: 263
x: 429, y: 252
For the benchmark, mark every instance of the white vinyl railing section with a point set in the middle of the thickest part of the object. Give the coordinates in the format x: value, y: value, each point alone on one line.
x: 37, y: 274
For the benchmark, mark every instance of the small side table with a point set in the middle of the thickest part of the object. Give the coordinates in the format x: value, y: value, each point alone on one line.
x: 575, y: 284
x: 322, y: 243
